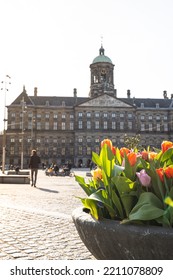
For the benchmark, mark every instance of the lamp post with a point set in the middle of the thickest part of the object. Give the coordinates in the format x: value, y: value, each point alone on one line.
x: 32, y: 131
x: 4, y: 120
x: 22, y: 127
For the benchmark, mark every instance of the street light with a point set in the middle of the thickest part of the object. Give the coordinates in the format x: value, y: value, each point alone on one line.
x: 4, y: 120
x: 22, y: 126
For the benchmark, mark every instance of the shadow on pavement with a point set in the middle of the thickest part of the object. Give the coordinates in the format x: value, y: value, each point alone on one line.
x: 47, y: 190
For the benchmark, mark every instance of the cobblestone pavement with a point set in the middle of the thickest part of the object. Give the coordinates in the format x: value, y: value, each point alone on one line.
x: 36, y: 223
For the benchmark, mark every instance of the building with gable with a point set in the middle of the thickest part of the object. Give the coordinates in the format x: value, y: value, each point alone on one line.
x: 69, y: 128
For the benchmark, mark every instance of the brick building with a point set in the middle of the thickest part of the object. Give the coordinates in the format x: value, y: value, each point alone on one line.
x: 68, y: 128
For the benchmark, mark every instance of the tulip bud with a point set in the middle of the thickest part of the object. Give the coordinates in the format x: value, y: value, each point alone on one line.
x: 144, y: 178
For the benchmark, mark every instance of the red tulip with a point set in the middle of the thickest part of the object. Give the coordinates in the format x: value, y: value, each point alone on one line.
x: 123, y: 151
x: 160, y: 173
x: 144, y: 155
x: 132, y: 158
x: 169, y: 172
x: 166, y: 145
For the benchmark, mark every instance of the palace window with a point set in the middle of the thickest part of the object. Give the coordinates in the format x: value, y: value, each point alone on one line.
x: 89, y: 151
x: 13, y: 125
x: 80, y: 150
x: 121, y: 125
x: 63, y: 125
x: 113, y: 125
x: 142, y: 127
x: 165, y: 127
x: 71, y: 126
x: 150, y: 126
x: 38, y: 125
x: 11, y: 150
x: 130, y: 125
x: 47, y: 125
x: 80, y: 124
x: 96, y: 124
x: 88, y: 124
x: 129, y: 116
x: 55, y: 126
x: 105, y: 125
x: 158, y: 127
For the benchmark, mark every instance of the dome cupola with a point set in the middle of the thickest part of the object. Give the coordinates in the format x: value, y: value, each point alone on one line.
x: 102, y: 70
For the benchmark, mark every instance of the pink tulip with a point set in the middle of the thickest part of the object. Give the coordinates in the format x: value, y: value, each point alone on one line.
x: 144, y: 178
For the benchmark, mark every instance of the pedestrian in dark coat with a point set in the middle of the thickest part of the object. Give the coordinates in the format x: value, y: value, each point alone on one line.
x: 34, y: 165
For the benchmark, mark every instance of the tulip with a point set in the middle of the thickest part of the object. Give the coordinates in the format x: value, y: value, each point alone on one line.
x: 169, y: 201
x: 132, y: 158
x: 96, y: 173
x: 108, y: 142
x: 166, y: 145
x: 151, y: 155
x: 144, y: 155
x: 144, y: 178
x: 114, y: 150
x: 169, y: 172
x: 160, y: 172
x: 123, y: 151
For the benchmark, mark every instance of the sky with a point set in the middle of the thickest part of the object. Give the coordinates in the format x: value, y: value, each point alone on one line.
x: 50, y: 44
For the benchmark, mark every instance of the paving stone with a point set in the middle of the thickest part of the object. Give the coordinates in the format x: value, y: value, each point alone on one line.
x: 37, y: 223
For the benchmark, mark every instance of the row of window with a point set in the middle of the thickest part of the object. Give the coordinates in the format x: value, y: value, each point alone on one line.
x: 95, y: 114
x: 97, y: 125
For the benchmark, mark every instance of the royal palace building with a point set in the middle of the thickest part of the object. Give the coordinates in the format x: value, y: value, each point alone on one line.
x: 69, y: 128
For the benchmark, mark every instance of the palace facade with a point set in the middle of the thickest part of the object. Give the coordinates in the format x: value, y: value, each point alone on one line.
x: 69, y: 128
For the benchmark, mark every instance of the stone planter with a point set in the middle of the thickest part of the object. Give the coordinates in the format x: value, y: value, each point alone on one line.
x: 108, y: 240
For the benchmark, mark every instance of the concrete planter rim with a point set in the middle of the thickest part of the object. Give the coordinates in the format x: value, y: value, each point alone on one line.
x: 128, y: 241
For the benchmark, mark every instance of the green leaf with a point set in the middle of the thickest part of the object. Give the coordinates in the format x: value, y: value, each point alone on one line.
x: 123, y: 184
x: 96, y: 159
x: 92, y: 206
x: 102, y: 196
x: 127, y: 194
x: 118, y: 158
x: 148, y: 207
x: 107, y: 159
x: 86, y: 187
x: 117, y: 203
x: 167, y: 155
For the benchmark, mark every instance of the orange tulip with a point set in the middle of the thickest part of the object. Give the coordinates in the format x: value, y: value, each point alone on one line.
x: 123, y: 151
x: 166, y: 145
x: 169, y: 172
x: 108, y: 142
x: 160, y: 173
x: 132, y: 158
x: 114, y: 150
x: 96, y: 173
x: 151, y: 155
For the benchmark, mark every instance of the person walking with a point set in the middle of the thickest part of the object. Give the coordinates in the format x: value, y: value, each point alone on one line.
x: 34, y: 165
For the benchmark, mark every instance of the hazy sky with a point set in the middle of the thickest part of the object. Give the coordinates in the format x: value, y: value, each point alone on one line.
x: 50, y: 44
